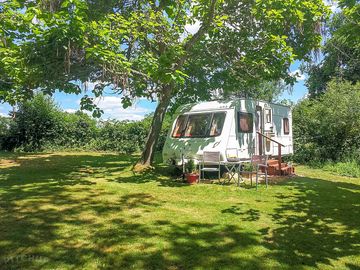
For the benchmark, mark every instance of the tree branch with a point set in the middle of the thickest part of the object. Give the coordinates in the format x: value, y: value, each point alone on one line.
x: 139, y: 73
x: 200, y: 33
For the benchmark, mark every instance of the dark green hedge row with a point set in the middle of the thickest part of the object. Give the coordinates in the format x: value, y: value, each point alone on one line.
x: 40, y: 125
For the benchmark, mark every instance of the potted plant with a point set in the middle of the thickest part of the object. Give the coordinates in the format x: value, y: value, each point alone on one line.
x: 247, y: 170
x: 191, y: 174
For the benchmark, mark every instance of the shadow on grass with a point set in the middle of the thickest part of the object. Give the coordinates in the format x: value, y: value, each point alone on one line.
x: 318, y: 224
x: 75, y: 169
x: 58, y: 220
x: 248, y: 215
x: 56, y: 212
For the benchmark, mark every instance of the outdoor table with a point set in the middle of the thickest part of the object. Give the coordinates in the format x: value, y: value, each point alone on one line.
x: 233, y: 168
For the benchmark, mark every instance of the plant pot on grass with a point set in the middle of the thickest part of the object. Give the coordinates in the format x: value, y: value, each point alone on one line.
x: 192, y: 175
x: 248, y: 170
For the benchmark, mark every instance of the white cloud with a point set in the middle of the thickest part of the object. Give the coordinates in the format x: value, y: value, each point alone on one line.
x: 70, y: 110
x: 193, y: 28
x: 190, y: 29
x: 298, y: 75
x: 112, y: 108
x: 4, y: 114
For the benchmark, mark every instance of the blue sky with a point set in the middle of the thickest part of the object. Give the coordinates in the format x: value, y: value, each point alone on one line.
x: 111, y: 104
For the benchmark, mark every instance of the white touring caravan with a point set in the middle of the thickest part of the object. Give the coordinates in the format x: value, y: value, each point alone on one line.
x: 251, y: 126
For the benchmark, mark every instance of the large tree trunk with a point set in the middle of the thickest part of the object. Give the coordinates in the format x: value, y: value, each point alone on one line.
x: 154, y: 132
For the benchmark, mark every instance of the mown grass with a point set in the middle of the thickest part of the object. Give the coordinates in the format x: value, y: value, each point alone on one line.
x: 89, y: 211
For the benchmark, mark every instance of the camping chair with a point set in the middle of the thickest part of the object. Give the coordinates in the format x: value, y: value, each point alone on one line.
x: 260, y: 162
x: 233, y: 165
x: 209, y: 158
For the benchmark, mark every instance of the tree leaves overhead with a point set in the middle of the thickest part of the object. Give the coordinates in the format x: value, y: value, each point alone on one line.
x: 137, y: 46
x: 341, y: 50
x: 257, y: 42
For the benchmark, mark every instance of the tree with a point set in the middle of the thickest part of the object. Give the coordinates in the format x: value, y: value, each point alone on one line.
x: 142, y: 49
x: 341, y: 50
x: 328, y: 128
x: 35, y: 122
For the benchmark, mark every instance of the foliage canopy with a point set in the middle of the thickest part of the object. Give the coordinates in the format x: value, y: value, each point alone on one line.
x: 341, y: 50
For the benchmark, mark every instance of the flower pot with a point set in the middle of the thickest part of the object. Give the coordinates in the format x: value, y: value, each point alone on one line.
x: 248, y: 174
x: 192, y: 178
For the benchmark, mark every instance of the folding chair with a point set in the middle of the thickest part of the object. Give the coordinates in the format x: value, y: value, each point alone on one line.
x: 259, y: 162
x: 233, y: 164
x: 208, y: 159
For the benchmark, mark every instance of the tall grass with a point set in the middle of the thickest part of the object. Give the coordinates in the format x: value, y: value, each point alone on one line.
x: 349, y: 168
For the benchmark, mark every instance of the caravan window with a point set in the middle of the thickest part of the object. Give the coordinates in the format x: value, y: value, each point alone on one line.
x: 197, y: 125
x: 286, y: 126
x: 268, y: 115
x: 179, y: 126
x: 245, y: 122
x: 217, y: 124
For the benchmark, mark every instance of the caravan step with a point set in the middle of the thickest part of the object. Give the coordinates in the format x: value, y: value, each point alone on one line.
x: 288, y: 170
x: 284, y: 170
x: 272, y: 162
x: 276, y: 165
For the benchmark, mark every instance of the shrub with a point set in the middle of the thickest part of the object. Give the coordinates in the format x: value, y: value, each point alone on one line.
x: 36, y: 122
x: 328, y: 128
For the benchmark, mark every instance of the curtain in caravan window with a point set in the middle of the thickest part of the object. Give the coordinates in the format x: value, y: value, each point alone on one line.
x: 286, y: 126
x: 197, y: 125
x: 217, y: 124
x: 179, y: 126
x: 245, y: 122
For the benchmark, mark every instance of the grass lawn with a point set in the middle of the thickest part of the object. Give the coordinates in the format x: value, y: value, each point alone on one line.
x: 89, y: 211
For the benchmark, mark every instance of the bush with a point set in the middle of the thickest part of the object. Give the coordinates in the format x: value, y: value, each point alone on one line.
x: 36, y: 122
x: 5, y: 136
x: 328, y: 128
x: 77, y: 131
x: 121, y: 136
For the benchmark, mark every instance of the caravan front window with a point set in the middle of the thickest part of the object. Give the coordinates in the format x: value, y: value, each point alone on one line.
x: 197, y: 125
x: 179, y: 126
x: 217, y: 124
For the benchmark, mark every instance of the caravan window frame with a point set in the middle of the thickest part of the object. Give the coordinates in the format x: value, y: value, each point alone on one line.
x: 207, y: 133
x: 286, y: 132
x: 252, y: 122
x: 189, y: 118
x: 180, y: 132
x: 211, y: 121
x: 268, y: 115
